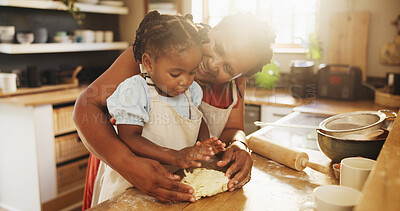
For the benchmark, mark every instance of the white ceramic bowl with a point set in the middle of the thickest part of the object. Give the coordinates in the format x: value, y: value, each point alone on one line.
x: 25, y: 38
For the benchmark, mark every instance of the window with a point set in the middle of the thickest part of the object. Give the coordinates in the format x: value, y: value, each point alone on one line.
x: 292, y: 20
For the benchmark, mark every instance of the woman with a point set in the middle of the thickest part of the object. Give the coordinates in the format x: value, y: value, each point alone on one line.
x: 239, y: 46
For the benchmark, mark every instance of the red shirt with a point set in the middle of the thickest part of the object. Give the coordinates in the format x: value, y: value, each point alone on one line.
x: 219, y: 96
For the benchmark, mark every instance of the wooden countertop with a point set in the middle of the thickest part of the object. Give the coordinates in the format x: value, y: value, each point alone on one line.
x: 276, y: 187
x: 255, y: 96
x: 382, y: 188
x: 273, y: 187
x: 329, y: 107
x: 53, y: 97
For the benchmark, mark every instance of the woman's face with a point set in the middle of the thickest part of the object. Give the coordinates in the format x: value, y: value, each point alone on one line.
x: 225, y: 57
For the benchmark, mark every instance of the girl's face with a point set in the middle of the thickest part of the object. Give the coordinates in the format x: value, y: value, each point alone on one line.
x: 225, y: 57
x: 173, y: 73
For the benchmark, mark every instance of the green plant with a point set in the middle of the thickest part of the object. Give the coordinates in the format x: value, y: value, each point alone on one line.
x: 74, y: 11
x: 269, y: 76
x: 314, y: 48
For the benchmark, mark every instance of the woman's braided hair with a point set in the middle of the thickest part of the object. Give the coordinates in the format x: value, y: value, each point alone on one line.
x: 165, y: 34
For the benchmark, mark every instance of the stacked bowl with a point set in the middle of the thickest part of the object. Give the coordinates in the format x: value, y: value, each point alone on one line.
x: 360, y: 133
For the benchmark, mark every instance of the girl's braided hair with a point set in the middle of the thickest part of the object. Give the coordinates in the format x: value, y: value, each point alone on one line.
x: 165, y: 34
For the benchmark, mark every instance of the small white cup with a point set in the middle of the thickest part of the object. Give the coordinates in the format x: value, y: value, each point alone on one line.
x: 354, y: 171
x: 87, y: 36
x: 108, y: 36
x: 333, y: 198
x: 7, y: 34
x: 8, y: 82
x: 99, y: 36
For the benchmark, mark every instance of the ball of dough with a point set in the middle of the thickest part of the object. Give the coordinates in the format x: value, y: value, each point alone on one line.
x: 206, y: 182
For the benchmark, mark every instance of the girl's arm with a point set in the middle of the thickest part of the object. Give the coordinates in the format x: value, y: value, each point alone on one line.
x: 131, y: 135
x: 92, y: 121
x: 237, y: 151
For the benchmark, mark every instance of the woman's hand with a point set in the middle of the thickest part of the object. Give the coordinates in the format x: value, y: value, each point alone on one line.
x: 203, y: 150
x: 153, y: 179
x: 240, y: 168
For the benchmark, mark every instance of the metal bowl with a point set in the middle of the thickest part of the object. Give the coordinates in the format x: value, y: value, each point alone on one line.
x: 337, y: 148
x: 359, y: 122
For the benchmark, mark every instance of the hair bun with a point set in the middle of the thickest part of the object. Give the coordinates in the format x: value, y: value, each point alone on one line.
x: 152, y: 14
x: 189, y: 17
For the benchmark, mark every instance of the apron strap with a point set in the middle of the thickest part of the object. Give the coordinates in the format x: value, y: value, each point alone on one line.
x: 234, y: 93
x: 152, y: 87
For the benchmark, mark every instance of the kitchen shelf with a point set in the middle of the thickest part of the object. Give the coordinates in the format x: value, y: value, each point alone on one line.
x: 55, y: 5
x: 60, y: 47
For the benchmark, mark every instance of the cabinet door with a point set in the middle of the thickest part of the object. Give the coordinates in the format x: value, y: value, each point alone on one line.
x: 251, y: 114
x: 274, y: 113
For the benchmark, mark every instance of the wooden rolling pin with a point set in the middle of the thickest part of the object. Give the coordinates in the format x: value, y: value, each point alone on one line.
x: 289, y: 157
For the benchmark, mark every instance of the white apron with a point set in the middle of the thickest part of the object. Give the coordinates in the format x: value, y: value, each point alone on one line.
x: 165, y: 128
x: 216, y: 118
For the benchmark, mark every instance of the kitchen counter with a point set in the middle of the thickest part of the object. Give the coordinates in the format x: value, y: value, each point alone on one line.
x: 272, y: 187
x: 29, y: 126
x: 282, y: 97
x: 382, y: 188
x: 53, y: 97
x: 277, y: 187
x: 253, y: 95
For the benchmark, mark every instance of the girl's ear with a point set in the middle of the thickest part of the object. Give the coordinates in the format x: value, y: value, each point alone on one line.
x: 147, y: 62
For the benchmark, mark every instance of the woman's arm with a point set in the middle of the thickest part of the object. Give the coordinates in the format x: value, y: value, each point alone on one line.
x: 90, y: 112
x: 237, y: 151
x: 92, y: 122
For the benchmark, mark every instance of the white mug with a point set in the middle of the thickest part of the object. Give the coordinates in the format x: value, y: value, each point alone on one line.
x: 109, y: 36
x: 87, y: 36
x: 7, y: 34
x: 8, y: 82
x: 99, y: 36
x: 354, y: 171
x: 333, y: 198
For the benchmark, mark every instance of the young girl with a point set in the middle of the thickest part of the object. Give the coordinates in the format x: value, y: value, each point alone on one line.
x: 156, y: 113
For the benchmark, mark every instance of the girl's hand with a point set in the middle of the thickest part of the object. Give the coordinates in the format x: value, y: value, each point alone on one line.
x: 187, y: 157
x: 216, y: 145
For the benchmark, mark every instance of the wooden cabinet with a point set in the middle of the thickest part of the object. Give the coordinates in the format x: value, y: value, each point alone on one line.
x: 42, y: 161
x: 70, y: 153
x: 69, y: 147
x: 251, y: 114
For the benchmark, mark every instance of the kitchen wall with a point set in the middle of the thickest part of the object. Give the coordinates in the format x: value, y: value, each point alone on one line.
x: 129, y: 23
x: 382, y: 12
